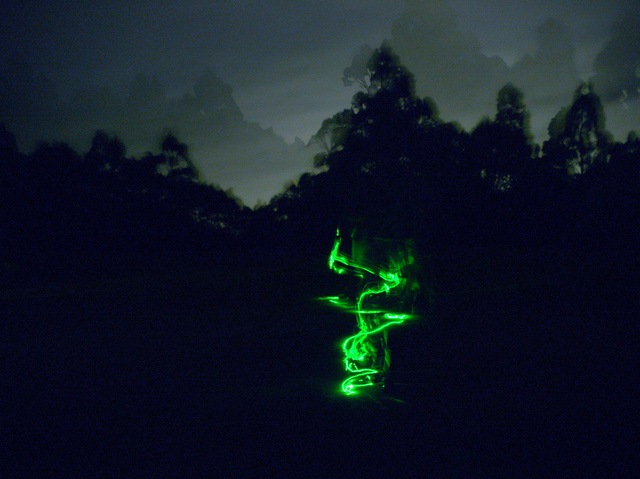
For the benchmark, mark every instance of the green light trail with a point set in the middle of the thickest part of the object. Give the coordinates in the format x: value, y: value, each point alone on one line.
x: 361, y: 354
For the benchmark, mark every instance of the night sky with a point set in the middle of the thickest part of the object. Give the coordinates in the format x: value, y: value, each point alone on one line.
x: 284, y: 61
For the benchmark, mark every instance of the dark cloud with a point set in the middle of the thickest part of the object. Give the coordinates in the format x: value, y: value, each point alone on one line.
x: 448, y: 63
x: 550, y: 73
x: 228, y: 150
x: 451, y: 66
x: 617, y: 66
x: 462, y: 52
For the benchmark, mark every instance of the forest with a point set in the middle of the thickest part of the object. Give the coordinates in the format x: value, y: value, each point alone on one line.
x: 388, y: 162
x: 155, y: 326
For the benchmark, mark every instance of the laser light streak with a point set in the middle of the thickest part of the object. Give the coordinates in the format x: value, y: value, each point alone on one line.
x: 363, y: 357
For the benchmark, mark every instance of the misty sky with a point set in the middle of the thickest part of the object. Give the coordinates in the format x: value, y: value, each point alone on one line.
x: 284, y: 58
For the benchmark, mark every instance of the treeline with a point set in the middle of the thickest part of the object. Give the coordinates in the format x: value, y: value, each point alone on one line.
x: 59, y: 207
x: 221, y: 141
x: 391, y: 165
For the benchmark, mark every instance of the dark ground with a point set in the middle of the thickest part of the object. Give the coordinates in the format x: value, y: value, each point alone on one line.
x: 528, y: 368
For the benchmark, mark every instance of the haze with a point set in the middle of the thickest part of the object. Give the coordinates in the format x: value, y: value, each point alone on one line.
x: 246, y: 83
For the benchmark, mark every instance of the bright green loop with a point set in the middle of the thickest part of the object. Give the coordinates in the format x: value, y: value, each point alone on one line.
x: 354, y: 346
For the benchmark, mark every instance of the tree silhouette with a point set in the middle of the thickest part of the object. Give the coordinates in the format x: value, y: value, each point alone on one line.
x: 106, y: 153
x: 501, y: 148
x: 177, y: 161
x: 578, y: 139
x: 387, y: 118
x: 391, y: 160
x: 215, y: 98
x: 358, y: 72
x: 331, y: 136
x: 557, y: 123
x: 625, y: 166
x: 511, y: 110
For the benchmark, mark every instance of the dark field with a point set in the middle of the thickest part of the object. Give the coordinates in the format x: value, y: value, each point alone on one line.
x: 527, y: 368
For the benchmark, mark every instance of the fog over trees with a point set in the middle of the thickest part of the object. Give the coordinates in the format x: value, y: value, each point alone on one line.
x: 225, y: 146
x: 392, y: 163
x: 448, y: 63
x: 155, y: 170
x: 389, y: 160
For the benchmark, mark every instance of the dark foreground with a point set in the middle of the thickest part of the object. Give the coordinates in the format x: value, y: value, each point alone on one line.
x: 235, y: 372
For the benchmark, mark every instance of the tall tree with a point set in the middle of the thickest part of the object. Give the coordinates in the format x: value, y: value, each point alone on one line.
x: 106, y: 152
x: 578, y: 139
x: 375, y: 126
x: 177, y: 160
x: 501, y: 148
x: 376, y: 149
x: 214, y: 98
x: 387, y: 117
x: 331, y: 136
x: 511, y: 111
x: 358, y: 72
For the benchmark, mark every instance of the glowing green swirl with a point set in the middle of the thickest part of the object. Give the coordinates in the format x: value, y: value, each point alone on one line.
x: 355, y: 347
